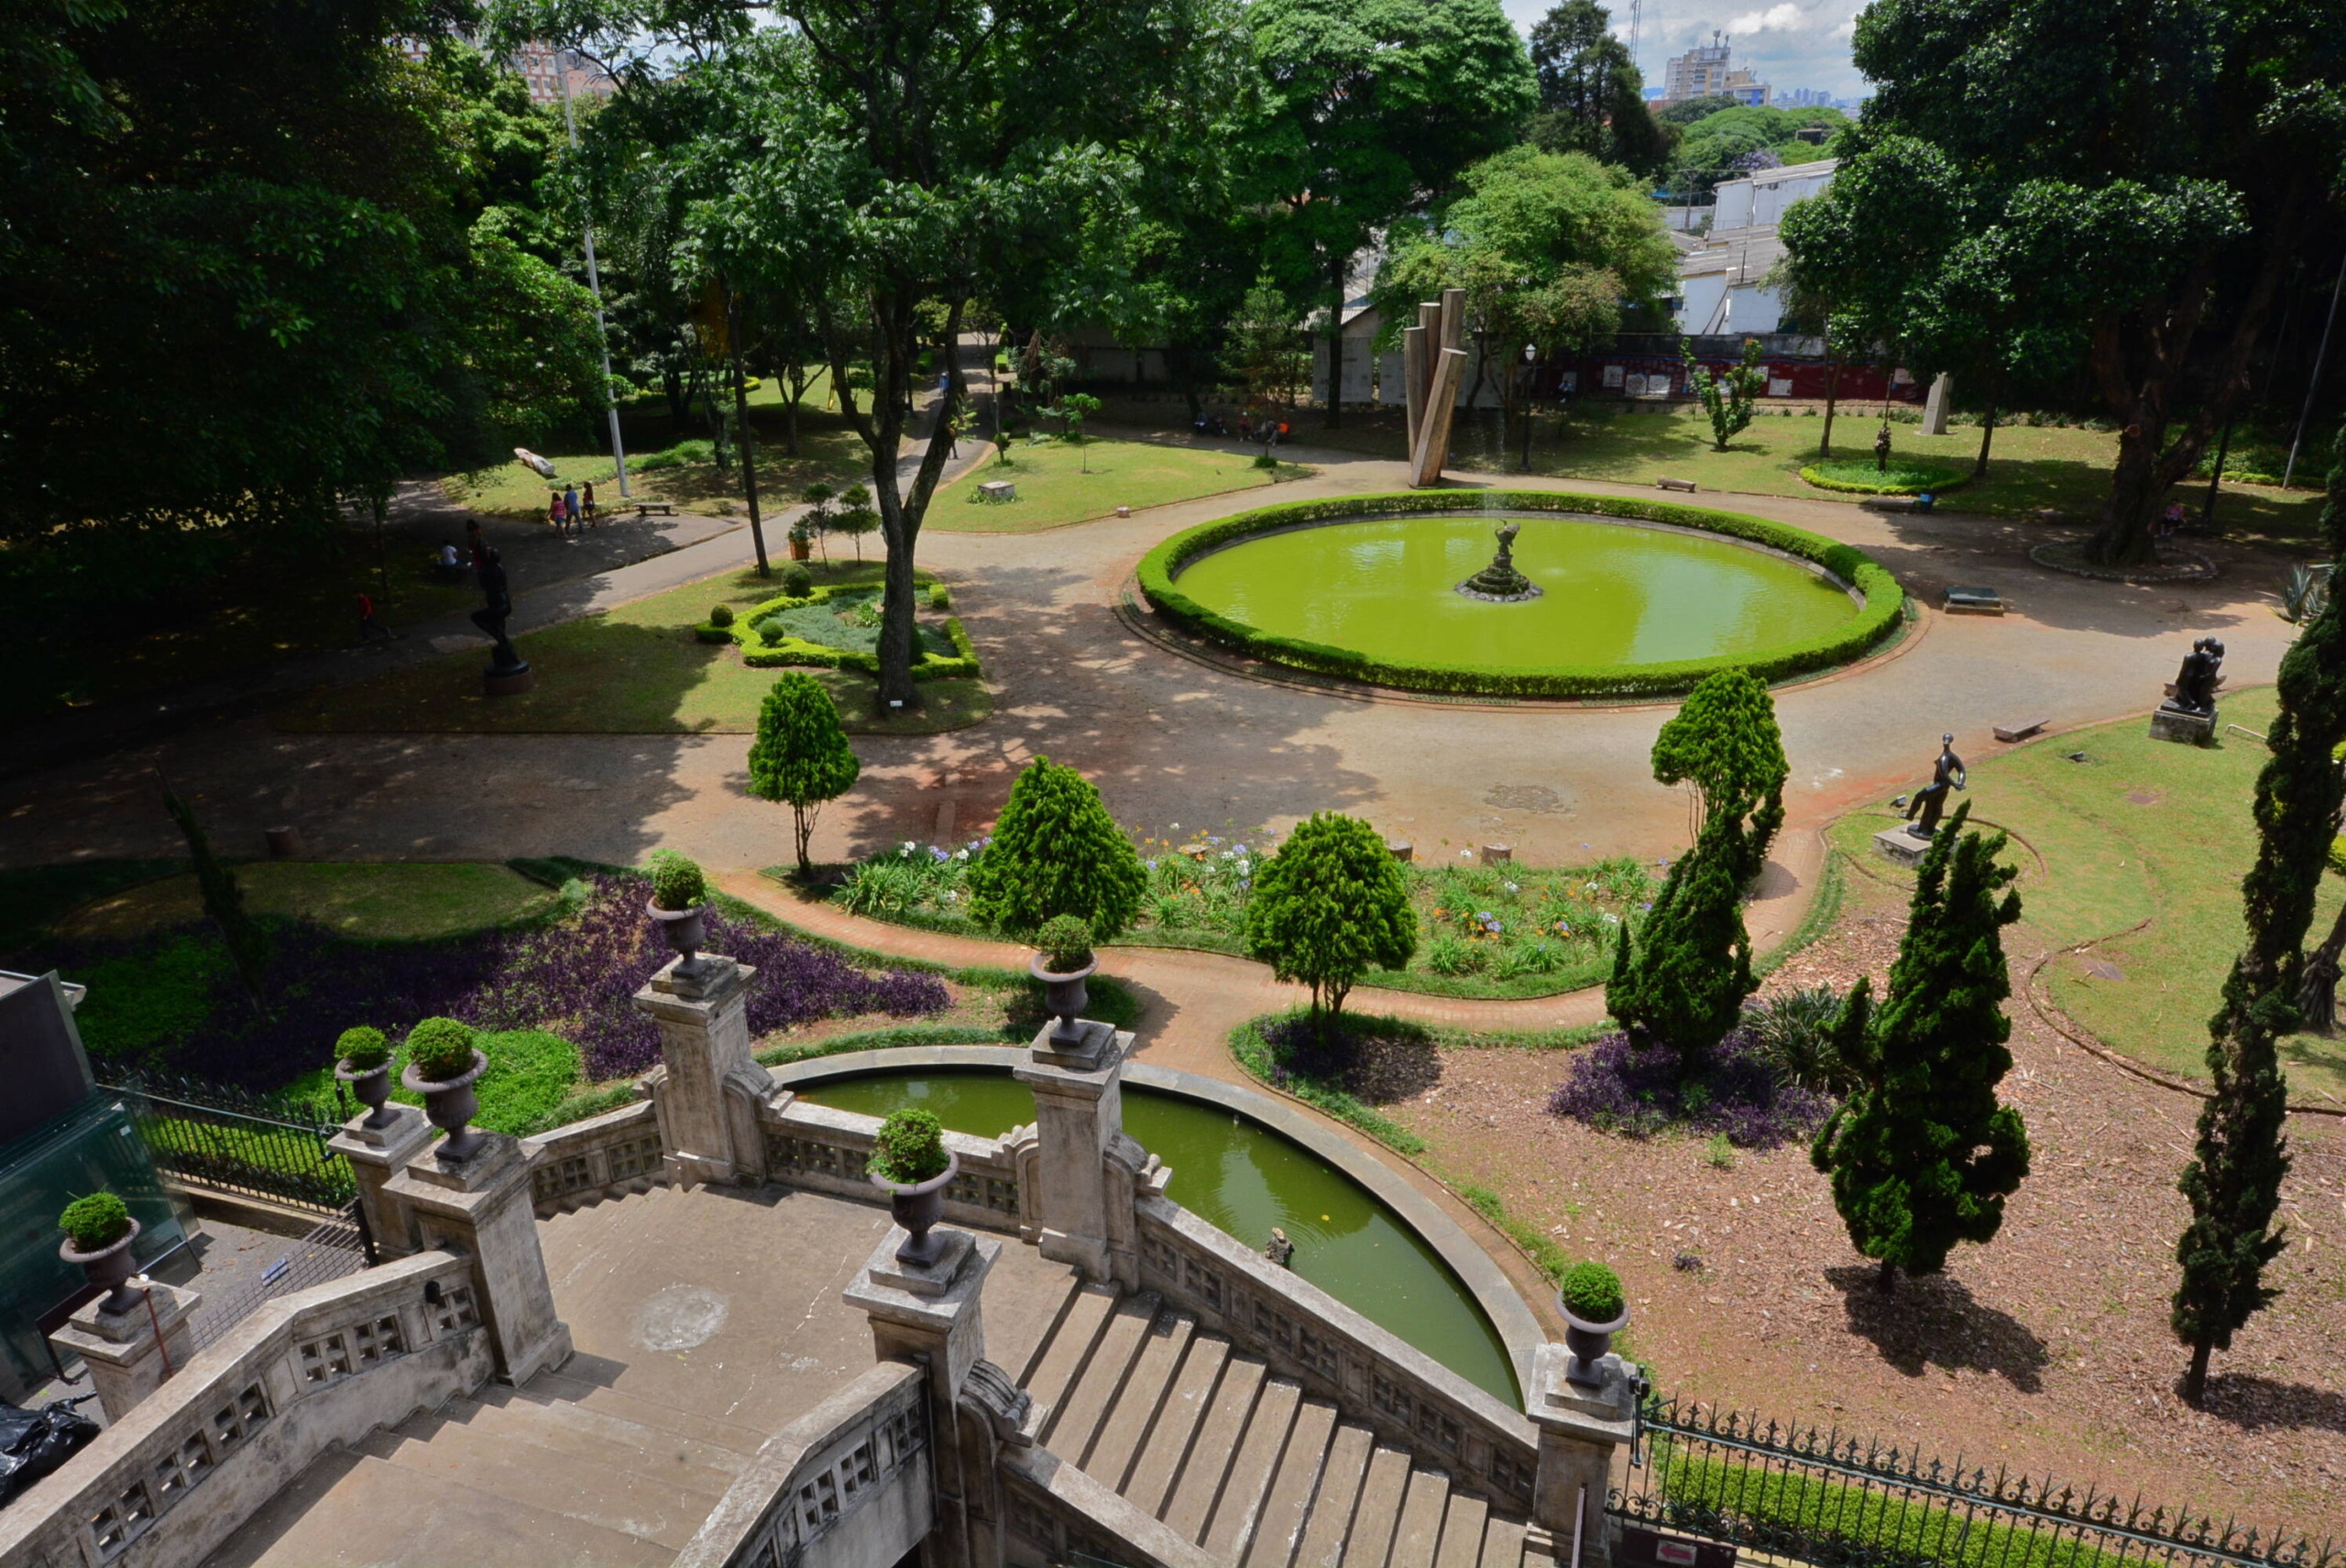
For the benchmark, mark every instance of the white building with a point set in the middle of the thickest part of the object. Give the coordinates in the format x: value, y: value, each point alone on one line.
x: 1721, y: 286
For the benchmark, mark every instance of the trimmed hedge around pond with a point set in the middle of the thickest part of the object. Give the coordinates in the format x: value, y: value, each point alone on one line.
x: 1859, y: 476
x: 1884, y: 600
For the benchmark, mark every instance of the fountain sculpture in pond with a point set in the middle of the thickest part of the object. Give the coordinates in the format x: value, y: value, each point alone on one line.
x: 1500, y: 582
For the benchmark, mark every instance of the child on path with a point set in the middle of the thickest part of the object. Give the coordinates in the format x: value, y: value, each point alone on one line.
x: 554, y: 511
x: 368, y: 625
x: 586, y: 501
x: 570, y: 506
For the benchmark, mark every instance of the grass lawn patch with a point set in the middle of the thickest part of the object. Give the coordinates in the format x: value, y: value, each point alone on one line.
x: 1053, y: 489
x: 827, y: 450
x: 370, y: 901
x: 34, y: 898
x: 1484, y: 931
x: 2143, y: 844
x: 637, y: 669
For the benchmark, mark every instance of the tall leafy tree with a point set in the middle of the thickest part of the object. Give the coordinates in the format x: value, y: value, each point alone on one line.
x: 1330, y: 906
x: 2234, y: 1181
x: 2120, y: 190
x: 1923, y: 1156
x: 1056, y: 850
x: 1592, y: 99
x: 1369, y: 107
x: 801, y: 755
x: 1679, y: 983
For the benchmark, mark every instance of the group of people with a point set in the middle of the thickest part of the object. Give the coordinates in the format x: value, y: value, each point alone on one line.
x: 1269, y: 432
x: 570, y: 508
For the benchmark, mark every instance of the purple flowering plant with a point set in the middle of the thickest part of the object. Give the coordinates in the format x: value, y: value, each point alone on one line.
x: 1616, y: 1088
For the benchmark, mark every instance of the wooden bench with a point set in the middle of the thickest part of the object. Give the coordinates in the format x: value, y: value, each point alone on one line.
x: 645, y: 509
x: 1685, y: 485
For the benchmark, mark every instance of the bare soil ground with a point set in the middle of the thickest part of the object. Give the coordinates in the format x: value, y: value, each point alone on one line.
x: 2045, y: 1350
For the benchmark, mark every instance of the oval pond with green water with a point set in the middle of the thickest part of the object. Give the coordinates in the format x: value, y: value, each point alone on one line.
x: 1245, y: 1178
x: 1613, y: 594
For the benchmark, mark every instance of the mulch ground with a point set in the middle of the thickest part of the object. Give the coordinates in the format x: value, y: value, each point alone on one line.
x: 2046, y: 1351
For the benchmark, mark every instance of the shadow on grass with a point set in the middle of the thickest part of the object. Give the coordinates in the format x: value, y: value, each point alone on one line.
x: 1935, y: 1320
x: 2262, y: 1404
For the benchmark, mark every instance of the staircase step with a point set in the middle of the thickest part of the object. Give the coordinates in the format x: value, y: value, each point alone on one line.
x: 1461, y: 1532
x: 1420, y: 1531
x: 1069, y: 1347
x: 674, y: 1419
x: 1022, y: 1305
x: 1185, y: 1513
x: 1541, y: 1549
x: 1252, y: 1470
x: 564, y: 1428
x: 651, y: 1508
x: 1381, y: 1494
x: 1502, y: 1543
x: 1288, y: 1504
x: 349, y: 1510
x: 1075, y: 1422
x: 1111, y: 1456
x: 1336, y: 1499
x: 1176, y: 1420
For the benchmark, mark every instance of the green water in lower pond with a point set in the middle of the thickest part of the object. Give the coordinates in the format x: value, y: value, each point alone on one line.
x: 1612, y: 594
x: 1245, y: 1178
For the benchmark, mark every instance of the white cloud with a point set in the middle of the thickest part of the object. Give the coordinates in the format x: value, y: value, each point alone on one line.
x: 1789, y: 43
x: 1783, y: 18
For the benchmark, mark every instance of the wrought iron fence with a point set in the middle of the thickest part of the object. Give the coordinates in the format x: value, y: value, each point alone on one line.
x: 333, y: 1249
x: 1828, y: 1498
x: 213, y: 1134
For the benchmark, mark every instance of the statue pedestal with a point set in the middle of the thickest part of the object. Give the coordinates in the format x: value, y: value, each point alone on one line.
x: 2189, y: 728
x: 506, y: 682
x: 1901, y: 846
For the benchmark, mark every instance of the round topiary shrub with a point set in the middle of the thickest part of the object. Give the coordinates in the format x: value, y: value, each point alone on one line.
x: 1065, y: 942
x: 797, y: 582
x: 676, y: 882
x: 910, y: 1147
x: 1591, y: 1293
x: 1905, y: 477
x: 94, y: 1223
x: 362, y: 1048
x: 770, y: 631
x: 442, y: 1048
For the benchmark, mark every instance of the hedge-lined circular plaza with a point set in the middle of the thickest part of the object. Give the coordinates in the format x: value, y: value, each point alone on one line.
x: 1880, y: 608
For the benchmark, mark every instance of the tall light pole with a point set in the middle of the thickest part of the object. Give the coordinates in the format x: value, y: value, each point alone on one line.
x: 594, y: 287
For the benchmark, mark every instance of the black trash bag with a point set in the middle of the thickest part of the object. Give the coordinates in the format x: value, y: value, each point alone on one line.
x: 34, y: 1443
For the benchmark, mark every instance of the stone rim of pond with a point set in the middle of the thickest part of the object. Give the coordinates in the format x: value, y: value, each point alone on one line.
x: 1494, y: 1294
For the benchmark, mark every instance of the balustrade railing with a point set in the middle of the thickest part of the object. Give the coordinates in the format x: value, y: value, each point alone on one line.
x: 828, y: 1150
x: 606, y: 1155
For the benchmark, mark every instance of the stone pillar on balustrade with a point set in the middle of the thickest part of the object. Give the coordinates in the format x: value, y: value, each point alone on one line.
x: 1584, y: 1411
x: 479, y: 1206
x: 708, y: 1087
x: 1080, y: 1177
x: 130, y: 1353
x: 376, y: 1155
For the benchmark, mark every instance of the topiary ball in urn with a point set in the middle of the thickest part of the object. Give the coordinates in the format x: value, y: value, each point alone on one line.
x: 1062, y: 961
x: 363, y: 1060
x: 443, y: 1057
x: 1595, y: 1310
x: 911, y: 1164
x: 99, y: 1231
x: 679, y: 901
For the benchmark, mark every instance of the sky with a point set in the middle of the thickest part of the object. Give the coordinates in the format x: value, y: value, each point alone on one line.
x: 1787, y: 43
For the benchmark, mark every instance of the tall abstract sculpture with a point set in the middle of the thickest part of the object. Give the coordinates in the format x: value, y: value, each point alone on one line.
x: 1433, y: 362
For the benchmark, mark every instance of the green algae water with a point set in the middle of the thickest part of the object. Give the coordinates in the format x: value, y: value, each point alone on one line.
x: 1611, y: 594
x: 1245, y: 1178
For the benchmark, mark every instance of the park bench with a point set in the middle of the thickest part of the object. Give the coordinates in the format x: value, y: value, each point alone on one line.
x: 1685, y: 485
x: 645, y: 509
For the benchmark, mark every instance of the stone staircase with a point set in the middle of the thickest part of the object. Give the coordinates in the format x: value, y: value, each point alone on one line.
x: 1240, y: 1463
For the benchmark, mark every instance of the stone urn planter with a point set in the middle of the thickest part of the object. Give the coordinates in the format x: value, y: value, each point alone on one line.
x: 109, y: 1268
x: 371, y: 1087
x: 1589, y: 1342
x: 683, y: 931
x: 1064, y: 995
x: 917, y: 1206
x: 450, y: 1104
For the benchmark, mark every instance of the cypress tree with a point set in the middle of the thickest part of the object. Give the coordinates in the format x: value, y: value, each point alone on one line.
x: 1681, y: 981
x: 1922, y: 1156
x: 224, y: 900
x: 1056, y: 850
x: 1724, y: 744
x: 801, y: 755
x: 1328, y: 907
x: 2234, y: 1181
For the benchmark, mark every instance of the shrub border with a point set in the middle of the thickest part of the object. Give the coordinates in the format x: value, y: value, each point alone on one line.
x: 1880, y: 616
x: 796, y: 651
x: 1809, y: 474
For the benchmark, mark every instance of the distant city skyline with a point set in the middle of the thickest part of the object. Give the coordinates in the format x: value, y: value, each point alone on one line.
x: 1786, y: 44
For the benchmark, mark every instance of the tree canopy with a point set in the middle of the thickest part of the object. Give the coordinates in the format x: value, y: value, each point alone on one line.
x: 1592, y: 99
x: 1330, y: 906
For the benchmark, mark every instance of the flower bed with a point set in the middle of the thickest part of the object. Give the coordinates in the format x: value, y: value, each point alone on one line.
x: 1616, y: 1088
x: 1484, y: 930
x: 836, y: 627
x: 1905, y: 476
x: 1882, y: 613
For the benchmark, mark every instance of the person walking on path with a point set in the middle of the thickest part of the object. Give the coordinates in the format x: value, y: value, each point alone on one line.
x: 570, y: 507
x: 368, y: 625
x: 586, y: 501
x: 554, y: 511
x: 476, y: 544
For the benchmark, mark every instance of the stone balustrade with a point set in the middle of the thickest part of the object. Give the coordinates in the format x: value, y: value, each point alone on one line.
x: 827, y: 1150
x: 308, y: 1372
x: 608, y: 1156
x: 1411, y: 1401
x: 847, y: 1483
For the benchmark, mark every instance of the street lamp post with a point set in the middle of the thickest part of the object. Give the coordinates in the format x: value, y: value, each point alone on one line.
x: 594, y: 287
x: 1530, y: 358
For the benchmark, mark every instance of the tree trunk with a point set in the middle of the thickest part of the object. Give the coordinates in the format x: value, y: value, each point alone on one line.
x: 1886, y: 1281
x: 673, y: 381
x: 1987, y: 436
x: 803, y: 820
x: 1832, y: 397
x: 795, y: 377
x: 2123, y: 535
x: 1336, y: 343
x: 2317, y: 991
x: 2195, y: 1381
x: 748, y: 447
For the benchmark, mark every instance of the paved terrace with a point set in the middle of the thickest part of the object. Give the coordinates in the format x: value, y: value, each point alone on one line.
x: 703, y: 1321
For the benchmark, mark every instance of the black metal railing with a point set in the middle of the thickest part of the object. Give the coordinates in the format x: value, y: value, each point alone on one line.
x: 216, y: 1135
x: 335, y: 1249
x: 1828, y: 1498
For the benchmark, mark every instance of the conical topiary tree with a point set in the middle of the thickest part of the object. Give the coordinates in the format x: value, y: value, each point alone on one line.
x: 2234, y: 1181
x: 1679, y: 983
x: 1328, y: 908
x: 1922, y: 1156
x: 1056, y: 850
x: 1724, y: 744
x: 801, y: 755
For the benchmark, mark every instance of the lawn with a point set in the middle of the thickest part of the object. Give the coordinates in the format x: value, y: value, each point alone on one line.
x: 633, y: 670
x: 405, y: 902
x: 2142, y: 846
x: 1054, y: 487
